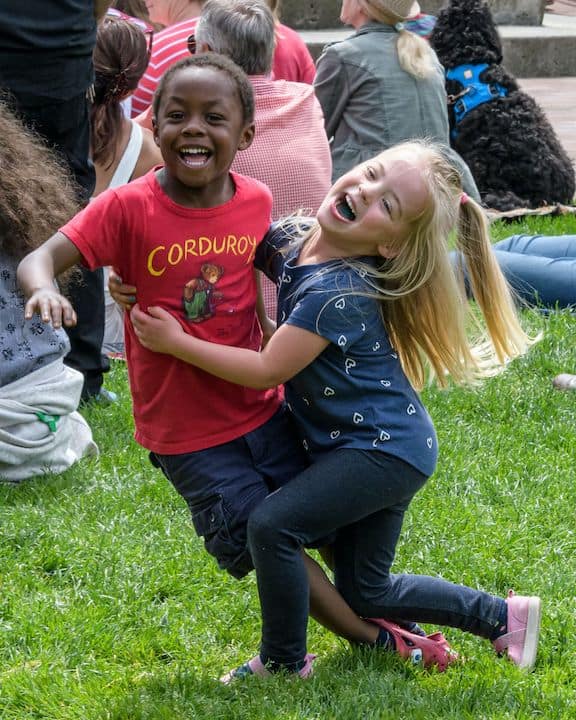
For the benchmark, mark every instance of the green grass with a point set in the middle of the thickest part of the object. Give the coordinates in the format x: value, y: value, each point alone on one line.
x: 110, y: 608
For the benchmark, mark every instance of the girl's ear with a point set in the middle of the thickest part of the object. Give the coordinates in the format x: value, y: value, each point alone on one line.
x: 387, y: 252
x: 246, y: 137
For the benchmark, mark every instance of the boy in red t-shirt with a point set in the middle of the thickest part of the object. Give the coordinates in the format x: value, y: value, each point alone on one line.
x: 185, y: 235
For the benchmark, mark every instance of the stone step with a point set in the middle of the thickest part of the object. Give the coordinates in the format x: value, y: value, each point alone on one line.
x: 320, y: 14
x: 547, y: 50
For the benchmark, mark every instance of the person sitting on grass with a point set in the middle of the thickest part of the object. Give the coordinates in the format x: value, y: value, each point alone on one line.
x: 40, y: 428
x: 368, y: 303
x: 186, y: 235
x: 542, y: 271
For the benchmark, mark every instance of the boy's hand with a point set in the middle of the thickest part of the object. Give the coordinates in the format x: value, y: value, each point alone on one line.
x: 156, y: 330
x: 268, y: 329
x: 124, y: 295
x: 51, y: 306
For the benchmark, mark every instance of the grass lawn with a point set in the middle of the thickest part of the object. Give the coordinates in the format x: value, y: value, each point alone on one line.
x: 110, y: 608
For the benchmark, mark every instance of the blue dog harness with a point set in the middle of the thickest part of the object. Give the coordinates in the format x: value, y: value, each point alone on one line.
x: 474, y: 93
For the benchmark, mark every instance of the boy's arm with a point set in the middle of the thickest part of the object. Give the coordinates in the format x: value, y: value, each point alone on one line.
x: 289, y: 350
x: 36, y: 274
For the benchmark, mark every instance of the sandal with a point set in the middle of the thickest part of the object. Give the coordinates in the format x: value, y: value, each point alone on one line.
x: 427, y: 651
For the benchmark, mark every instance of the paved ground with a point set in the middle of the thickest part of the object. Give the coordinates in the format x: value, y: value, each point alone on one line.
x: 562, y: 7
x: 557, y: 97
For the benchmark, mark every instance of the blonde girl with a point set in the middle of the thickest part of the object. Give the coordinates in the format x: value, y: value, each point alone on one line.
x: 368, y: 305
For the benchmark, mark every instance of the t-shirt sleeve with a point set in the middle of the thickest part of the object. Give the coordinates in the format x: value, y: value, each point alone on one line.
x: 268, y: 257
x: 269, y: 254
x: 95, y: 230
x: 339, y: 315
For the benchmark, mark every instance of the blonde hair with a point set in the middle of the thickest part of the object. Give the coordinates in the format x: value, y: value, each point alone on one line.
x: 415, y: 55
x: 274, y: 6
x: 424, y: 304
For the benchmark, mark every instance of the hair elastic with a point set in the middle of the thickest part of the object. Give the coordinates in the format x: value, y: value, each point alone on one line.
x: 399, y: 26
x: 464, y: 198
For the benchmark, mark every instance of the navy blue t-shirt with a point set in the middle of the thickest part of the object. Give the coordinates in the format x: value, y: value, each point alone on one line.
x: 355, y: 393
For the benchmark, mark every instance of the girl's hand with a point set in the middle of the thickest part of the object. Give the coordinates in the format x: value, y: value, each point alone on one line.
x: 123, y: 295
x: 51, y: 306
x: 156, y: 330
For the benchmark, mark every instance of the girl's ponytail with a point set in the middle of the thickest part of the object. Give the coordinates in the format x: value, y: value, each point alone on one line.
x: 489, y: 287
x: 414, y: 53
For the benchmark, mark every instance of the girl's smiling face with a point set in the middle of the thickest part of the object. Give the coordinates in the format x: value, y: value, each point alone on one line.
x: 199, y: 127
x: 370, y: 209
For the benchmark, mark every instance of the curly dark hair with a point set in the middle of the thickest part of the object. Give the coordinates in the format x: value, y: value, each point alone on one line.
x: 37, y: 192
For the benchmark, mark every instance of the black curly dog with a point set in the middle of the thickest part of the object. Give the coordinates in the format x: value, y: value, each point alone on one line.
x: 499, y: 130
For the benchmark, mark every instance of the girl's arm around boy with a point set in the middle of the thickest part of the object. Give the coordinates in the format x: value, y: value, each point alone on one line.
x: 289, y: 350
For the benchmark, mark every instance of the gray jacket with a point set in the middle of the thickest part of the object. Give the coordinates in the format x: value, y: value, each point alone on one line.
x: 370, y: 103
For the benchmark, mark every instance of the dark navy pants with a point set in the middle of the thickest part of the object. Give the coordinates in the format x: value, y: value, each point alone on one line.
x: 362, y: 496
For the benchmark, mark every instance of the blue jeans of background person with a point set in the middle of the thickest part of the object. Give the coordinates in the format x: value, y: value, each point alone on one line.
x: 362, y: 496
x: 224, y: 483
x: 540, y: 268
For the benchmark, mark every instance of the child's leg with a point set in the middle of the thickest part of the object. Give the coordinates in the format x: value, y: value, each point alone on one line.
x: 344, y: 488
x: 550, y: 246
x: 222, y: 485
x: 329, y: 609
x: 221, y: 488
x: 540, y: 268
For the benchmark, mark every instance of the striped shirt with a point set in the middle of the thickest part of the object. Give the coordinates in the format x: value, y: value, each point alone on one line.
x: 169, y: 46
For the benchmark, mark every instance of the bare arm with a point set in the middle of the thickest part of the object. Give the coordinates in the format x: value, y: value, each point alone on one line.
x: 289, y: 350
x: 266, y: 323
x: 36, y: 274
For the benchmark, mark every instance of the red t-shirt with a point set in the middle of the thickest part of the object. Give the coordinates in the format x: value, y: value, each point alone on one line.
x: 169, y: 46
x: 197, y: 264
x: 292, y: 59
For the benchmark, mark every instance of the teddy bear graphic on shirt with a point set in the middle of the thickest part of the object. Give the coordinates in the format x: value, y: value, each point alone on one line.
x: 200, y: 295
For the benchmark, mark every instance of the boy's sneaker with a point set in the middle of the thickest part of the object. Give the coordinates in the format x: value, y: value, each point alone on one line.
x: 427, y: 650
x: 257, y: 667
x: 522, y: 630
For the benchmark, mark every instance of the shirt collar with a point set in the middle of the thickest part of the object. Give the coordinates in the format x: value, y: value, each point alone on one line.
x: 374, y: 26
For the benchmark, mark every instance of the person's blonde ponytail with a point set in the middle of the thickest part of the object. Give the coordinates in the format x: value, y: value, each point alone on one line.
x: 415, y: 55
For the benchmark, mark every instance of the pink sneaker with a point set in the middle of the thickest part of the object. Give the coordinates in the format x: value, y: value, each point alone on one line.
x: 523, y: 630
x: 428, y: 649
x: 256, y: 667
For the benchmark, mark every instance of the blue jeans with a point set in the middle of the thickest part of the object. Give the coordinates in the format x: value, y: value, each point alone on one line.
x: 362, y: 497
x: 540, y: 268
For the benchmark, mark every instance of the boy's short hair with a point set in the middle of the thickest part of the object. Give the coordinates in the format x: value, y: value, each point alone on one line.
x: 217, y: 62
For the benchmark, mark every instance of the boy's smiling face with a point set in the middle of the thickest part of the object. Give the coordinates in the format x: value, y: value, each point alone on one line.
x: 198, y: 128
